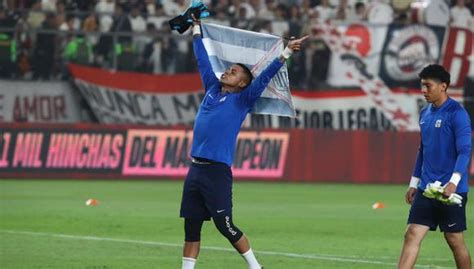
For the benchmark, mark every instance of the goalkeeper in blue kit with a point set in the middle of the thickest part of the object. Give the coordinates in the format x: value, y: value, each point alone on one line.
x: 207, y: 190
x: 439, y: 185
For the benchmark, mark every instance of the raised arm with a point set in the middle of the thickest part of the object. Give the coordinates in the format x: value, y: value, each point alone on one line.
x: 259, y: 84
x: 204, y: 65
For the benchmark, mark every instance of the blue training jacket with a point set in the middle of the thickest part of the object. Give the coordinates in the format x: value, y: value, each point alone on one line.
x: 220, y: 115
x: 445, y: 145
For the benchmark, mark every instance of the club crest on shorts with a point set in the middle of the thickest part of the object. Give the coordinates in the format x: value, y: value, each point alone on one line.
x: 438, y: 123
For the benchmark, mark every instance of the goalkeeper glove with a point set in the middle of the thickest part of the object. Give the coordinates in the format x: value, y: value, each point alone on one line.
x: 182, y: 22
x: 433, y: 190
x: 453, y: 199
x: 436, y: 191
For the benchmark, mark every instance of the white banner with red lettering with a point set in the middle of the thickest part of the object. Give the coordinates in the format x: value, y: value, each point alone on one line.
x: 32, y: 101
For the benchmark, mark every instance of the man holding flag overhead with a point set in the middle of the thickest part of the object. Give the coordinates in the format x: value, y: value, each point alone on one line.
x: 207, y: 191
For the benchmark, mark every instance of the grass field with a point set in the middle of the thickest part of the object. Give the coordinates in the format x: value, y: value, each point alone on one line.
x: 46, y: 224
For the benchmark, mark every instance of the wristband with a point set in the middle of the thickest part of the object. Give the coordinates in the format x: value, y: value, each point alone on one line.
x: 414, y: 182
x: 196, y: 29
x: 455, y: 178
x: 287, y: 53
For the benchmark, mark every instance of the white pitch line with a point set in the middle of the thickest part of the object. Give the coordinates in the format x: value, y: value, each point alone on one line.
x: 343, y: 259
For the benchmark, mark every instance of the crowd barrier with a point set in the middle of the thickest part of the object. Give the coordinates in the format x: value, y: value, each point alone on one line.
x: 118, y: 152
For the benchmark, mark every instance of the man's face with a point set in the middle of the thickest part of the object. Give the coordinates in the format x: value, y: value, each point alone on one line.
x: 432, y: 89
x: 234, y: 77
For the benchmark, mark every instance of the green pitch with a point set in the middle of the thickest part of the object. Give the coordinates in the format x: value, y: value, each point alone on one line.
x: 46, y: 224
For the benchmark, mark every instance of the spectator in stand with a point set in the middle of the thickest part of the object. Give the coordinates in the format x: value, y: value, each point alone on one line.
x: 360, y: 11
x: 45, y: 47
x: 122, y: 25
x: 72, y: 5
x: 461, y: 16
x: 124, y: 52
x: 36, y: 16
x: 241, y: 21
x: 105, y: 9
x: 296, y: 67
x: 8, y: 19
x: 295, y: 22
x: 220, y: 6
x: 236, y: 10
x: 90, y: 26
x: 168, y: 50
x: 219, y: 13
x: 317, y: 55
x: 325, y: 11
x: 23, y: 37
x: 8, y: 55
x: 78, y: 51
x: 305, y: 10
x: 147, y: 42
x: 265, y: 27
x: 380, y: 12
x: 48, y: 5
x: 67, y: 32
x: 137, y: 21
x: 256, y: 6
x: 68, y: 24
x: 280, y: 24
x: 158, y: 18
x: 345, y: 13
x: 158, y: 55
x: 174, y: 7
x: 150, y: 7
x: 268, y: 10
x: 140, y: 41
x: 105, y: 42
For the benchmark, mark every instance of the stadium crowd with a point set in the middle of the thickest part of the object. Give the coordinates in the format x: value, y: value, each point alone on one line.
x: 39, y: 37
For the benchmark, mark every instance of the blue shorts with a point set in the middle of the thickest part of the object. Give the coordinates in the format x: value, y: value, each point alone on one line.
x: 207, y: 191
x: 433, y: 213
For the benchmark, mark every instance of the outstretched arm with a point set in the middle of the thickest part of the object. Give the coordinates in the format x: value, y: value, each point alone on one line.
x: 204, y: 65
x: 255, y: 90
x: 293, y: 45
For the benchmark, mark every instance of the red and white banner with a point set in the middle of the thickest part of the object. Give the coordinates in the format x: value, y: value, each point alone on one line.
x: 52, y: 102
x: 366, y: 40
x: 170, y: 100
x: 356, y: 69
x: 341, y: 110
x: 121, y: 97
x: 458, y: 55
x: 397, y: 53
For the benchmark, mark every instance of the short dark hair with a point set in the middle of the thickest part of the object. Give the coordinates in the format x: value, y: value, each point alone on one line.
x: 436, y: 72
x: 247, y: 72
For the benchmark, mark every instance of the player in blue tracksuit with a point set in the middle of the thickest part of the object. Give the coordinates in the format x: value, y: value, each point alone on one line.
x: 207, y: 191
x: 443, y: 155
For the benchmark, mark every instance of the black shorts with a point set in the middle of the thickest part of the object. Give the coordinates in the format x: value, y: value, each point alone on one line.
x: 207, y: 191
x: 433, y: 213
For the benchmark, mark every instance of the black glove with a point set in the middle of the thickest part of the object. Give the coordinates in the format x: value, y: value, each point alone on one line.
x: 182, y: 22
x: 179, y: 23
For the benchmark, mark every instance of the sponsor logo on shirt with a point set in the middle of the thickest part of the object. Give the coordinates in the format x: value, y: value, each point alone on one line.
x: 438, y: 123
x: 222, y: 99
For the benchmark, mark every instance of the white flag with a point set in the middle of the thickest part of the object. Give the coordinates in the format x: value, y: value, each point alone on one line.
x: 226, y: 46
